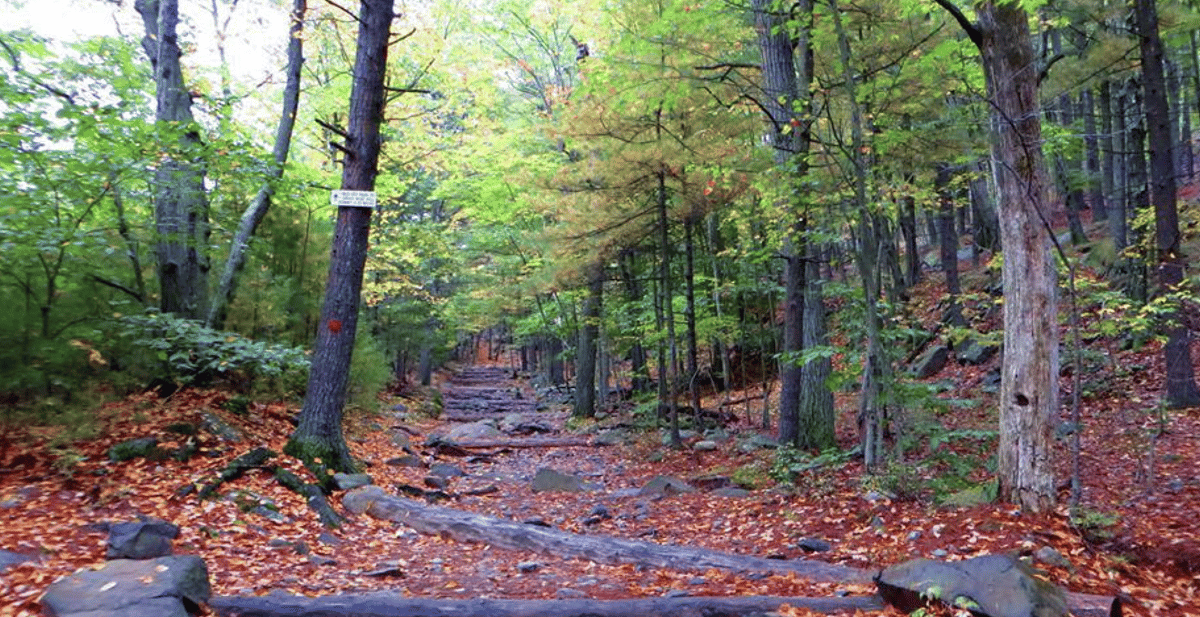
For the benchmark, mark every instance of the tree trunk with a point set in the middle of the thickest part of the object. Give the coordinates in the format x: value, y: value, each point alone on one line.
x: 817, y: 414
x: 667, y: 373
x: 1091, y: 143
x: 949, y: 243
x: 1181, y: 389
x: 786, y: 99
x: 1118, y: 166
x: 257, y: 210
x: 318, y: 439
x: 689, y: 314
x: 180, y: 201
x: 1029, y: 382
x: 586, y: 351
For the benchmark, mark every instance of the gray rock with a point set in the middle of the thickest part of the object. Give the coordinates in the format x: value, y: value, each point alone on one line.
x: 549, y: 480
x: 143, y: 447
x: 446, y: 470
x: 665, y: 486
x: 706, y: 445
x: 814, y: 545
x: 321, y: 560
x: 271, y: 514
x: 140, y: 540
x: 213, y: 424
x: 407, y: 460
x: 758, y: 442
x: 612, y: 437
x: 400, y: 440
x: 527, y: 567
x: 347, y: 481
x: 992, y: 585
x: 9, y: 559
x: 473, y: 431
x: 567, y: 593
x: 1051, y: 557
x: 914, y: 535
x: 438, y: 482
x: 677, y: 593
x: 931, y: 362
x: 732, y: 492
x: 165, y: 586
x: 940, y: 552
x: 975, y: 353
x: 361, y: 499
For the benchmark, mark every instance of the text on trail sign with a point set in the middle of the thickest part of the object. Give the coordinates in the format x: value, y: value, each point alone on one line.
x: 353, y: 199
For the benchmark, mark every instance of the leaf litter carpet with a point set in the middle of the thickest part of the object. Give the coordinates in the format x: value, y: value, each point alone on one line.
x: 52, y: 497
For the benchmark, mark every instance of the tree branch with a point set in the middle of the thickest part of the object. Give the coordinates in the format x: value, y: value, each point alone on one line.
x: 971, y: 29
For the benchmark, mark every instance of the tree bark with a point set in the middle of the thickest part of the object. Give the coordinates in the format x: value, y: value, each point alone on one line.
x: 1029, y: 371
x: 180, y: 201
x: 257, y: 210
x: 318, y: 439
x: 1181, y: 389
x: 786, y: 86
x: 510, y: 535
x: 391, y: 604
x: 585, y: 352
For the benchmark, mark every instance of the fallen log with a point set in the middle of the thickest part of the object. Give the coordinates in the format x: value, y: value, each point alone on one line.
x: 391, y: 604
x: 531, y: 442
x: 507, y: 534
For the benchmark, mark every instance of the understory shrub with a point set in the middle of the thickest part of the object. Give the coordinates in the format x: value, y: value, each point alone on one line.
x: 163, y: 349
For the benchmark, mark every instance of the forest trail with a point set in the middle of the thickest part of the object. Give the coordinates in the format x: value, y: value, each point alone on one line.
x: 50, y: 505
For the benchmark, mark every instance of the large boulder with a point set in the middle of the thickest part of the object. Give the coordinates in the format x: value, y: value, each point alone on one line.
x: 989, y: 586
x: 665, y: 486
x: 164, y: 587
x: 474, y: 431
x: 931, y: 362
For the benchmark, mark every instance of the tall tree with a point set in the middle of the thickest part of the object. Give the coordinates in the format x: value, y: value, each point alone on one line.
x: 318, y: 439
x: 1181, y: 389
x: 180, y: 201
x: 787, y: 78
x: 1029, y: 374
x: 257, y: 210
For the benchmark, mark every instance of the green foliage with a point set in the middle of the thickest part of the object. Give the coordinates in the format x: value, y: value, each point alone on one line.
x: 369, y: 373
x: 1095, y: 526
x: 164, y: 348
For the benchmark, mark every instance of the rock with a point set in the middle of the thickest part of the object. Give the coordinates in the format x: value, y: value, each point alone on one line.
x: 446, y: 470
x: 974, y: 353
x: 400, y: 440
x: 143, y: 447
x: 711, y: 483
x: 527, y: 567
x: 549, y: 480
x: 566, y: 593
x: 758, y: 442
x: 140, y: 540
x: 991, y: 585
x: 931, y: 362
x: 213, y: 424
x: 321, y: 560
x: 270, y: 513
x: 162, y: 587
x: 407, y: 460
x: 814, y: 545
x: 914, y: 536
x: 347, y: 481
x: 706, y: 445
x: 473, y: 431
x: 437, y: 482
x: 328, y: 539
x: 732, y: 492
x: 1051, y: 557
x: 9, y: 559
x: 940, y: 552
x: 600, y: 511
x: 665, y: 486
x: 359, y: 500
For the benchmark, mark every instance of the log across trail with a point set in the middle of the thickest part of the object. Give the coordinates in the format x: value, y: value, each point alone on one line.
x: 470, y: 527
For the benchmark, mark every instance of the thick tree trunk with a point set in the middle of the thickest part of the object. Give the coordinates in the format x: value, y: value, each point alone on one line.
x: 1091, y: 145
x: 1029, y: 382
x: 817, y: 417
x: 180, y: 201
x: 257, y: 210
x: 1181, y: 389
x: 318, y: 439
